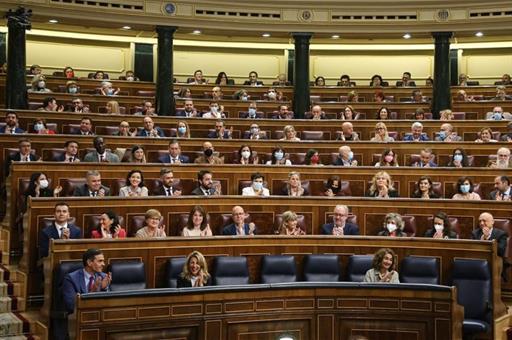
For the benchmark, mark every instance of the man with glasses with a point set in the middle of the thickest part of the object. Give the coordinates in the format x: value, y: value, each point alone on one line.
x: 340, y: 227
x: 78, y: 106
x: 503, y: 159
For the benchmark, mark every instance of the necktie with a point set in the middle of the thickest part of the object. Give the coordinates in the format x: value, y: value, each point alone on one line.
x: 13, y: 131
x: 90, y: 285
x: 93, y: 193
x: 27, y: 158
x: 62, y: 231
x: 102, y: 158
x: 72, y: 159
x: 168, y: 190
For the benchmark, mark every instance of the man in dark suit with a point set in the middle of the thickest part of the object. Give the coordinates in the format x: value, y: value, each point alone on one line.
x: 167, y: 188
x: 60, y: 229
x: 486, y: 231
x: 340, y: 227
x: 188, y: 110
x: 253, y: 79
x: 206, y: 187
x: 23, y: 155
x: 86, y: 128
x: 220, y: 131
x: 11, y: 124
x: 93, y: 187
x: 503, y: 190
x: 174, y: 155
x: 406, y: 80
x: 101, y: 154
x: 150, y: 130
x: 70, y: 152
x: 238, y: 227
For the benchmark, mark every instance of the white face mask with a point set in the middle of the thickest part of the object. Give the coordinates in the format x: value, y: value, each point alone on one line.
x: 244, y: 98
x: 391, y: 227
x: 257, y: 186
x: 246, y: 154
x: 41, y: 84
x: 457, y: 158
x: 130, y: 78
x: 350, y: 155
x: 73, y: 90
x: 43, y: 184
x: 214, y: 109
x: 438, y: 227
x: 278, y: 155
x: 38, y: 126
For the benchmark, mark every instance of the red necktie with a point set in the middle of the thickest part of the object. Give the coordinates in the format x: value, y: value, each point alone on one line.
x: 90, y: 286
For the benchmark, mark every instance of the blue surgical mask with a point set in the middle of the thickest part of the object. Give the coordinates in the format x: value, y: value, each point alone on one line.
x: 464, y: 188
x: 442, y: 134
x: 350, y: 155
x: 278, y: 155
x: 73, y: 90
x: 182, y: 129
x: 110, y: 92
x: 497, y: 116
x: 457, y: 158
x: 252, y: 112
x: 257, y: 186
x: 38, y: 126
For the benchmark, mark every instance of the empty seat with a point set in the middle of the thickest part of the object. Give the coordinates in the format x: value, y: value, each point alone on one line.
x: 473, y: 281
x: 127, y: 275
x: 278, y: 269
x: 173, y: 269
x: 357, y: 267
x: 417, y: 269
x: 230, y: 270
x: 321, y: 268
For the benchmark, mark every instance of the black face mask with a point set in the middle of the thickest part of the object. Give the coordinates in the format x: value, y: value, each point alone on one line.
x: 335, y: 190
x: 208, y: 152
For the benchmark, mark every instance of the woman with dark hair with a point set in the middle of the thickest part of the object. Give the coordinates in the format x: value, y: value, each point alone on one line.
x: 222, y: 79
x: 376, y: 81
x: 333, y: 185
x: 39, y: 186
x: 195, y: 272
x: 393, y: 226
x: 109, y: 227
x: 197, y: 224
x: 424, y: 189
x: 137, y: 154
x: 312, y: 158
x: 383, y: 113
x: 459, y: 159
x: 246, y: 155
x: 278, y: 157
x: 465, y: 190
x: 319, y: 81
x: 41, y: 128
x: 69, y: 72
x: 134, y: 185
x: 441, y: 227
x: 349, y: 113
x: 184, y: 92
x: 383, y: 267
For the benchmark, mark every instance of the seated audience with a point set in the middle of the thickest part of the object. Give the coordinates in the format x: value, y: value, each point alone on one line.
x: 505, y: 80
x: 242, y: 95
x: 339, y: 226
x: 312, y: 158
x: 426, y: 159
x: 109, y: 227
x: 289, y: 225
x: 197, y: 224
x: 424, y: 189
x: 99, y: 75
x: 216, y: 111
x: 77, y: 105
x: 72, y: 87
x: 459, y: 159
x: 406, y: 80
x: 208, y: 156
x: 294, y: 186
x: 50, y: 105
x: 333, y: 186
x: 416, y: 134
x: 220, y: 131
x: 498, y: 114
x: 383, y: 267
x: 253, y: 79
x: 278, y: 157
x: 40, y: 127
x: 501, y: 93
x: 348, y: 133
x: 239, y: 227
x: 353, y: 96
x: 137, y: 155
x: 205, y: 185
x: 419, y: 114
x: 86, y: 128
x: 11, y: 124
x: 130, y: 76
x: 290, y: 134
x: 216, y: 93
x: 349, y: 113
x: 376, y: 81
x: 485, y: 136
x: 38, y: 85
x: 441, y: 227
x: 273, y: 95
x: 503, y: 160
x: 166, y: 188
x: 152, y: 227
x: 198, y: 78
x: 378, y: 97
x: 59, y: 229
x: 257, y: 187
x: 246, y: 155
x: 503, y: 190
x: 486, y: 231
x: 463, y: 79
x: 319, y: 81
x: 382, y: 186
x: 446, y: 134
x: 283, y: 112
x: 35, y: 70
x: 150, y: 130
x: 124, y: 130
x: 113, y: 107
x: 393, y: 226
x: 23, y: 155
x: 100, y: 154
x: 462, y: 96
x: 381, y: 134
x: 345, y: 157
x: 195, y: 272
x: 184, y: 92
x: 507, y: 137
x: 417, y: 97
x: 345, y: 81
x: 383, y: 113
x: 108, y: 90
x: 255, y: 133
x: 182, y: 129
x: 174, y: 156
x: 317, y: 113
x: 281, y: 80
x: 252, y: 111
x: 387, y: 158
x: 222, y: 79
x: 147, y: 109
x: 70, y: 152
x: 39, y: 186
x: 134, y: 185
x: 446, y: 115
x: 464, y: 188
x: 69, y: 72
x: 92, y: 187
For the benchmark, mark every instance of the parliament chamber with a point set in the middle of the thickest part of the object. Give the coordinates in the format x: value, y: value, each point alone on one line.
x: 157, y: 115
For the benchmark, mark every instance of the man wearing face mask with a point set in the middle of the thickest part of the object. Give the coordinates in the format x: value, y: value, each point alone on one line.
x: 498, y: 114
x: 206, y: 186
x: 101, y: 154
x: 256, y: 188
x: 108, y: 90
x: 446, y: 134
x: 252, y: 112
x: 216, y: 111
x: 71, y: 87
x: 345, y: 157
x: 208, y: 156
x: 340, y: 227
x: 239, y: 227
x: 503, y: 190
x: 130, y: 76
x: 254, y: 133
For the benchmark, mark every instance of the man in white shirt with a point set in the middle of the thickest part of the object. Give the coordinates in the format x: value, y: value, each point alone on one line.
x: 60, y: 229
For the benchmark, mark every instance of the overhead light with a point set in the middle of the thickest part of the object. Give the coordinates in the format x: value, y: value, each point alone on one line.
x: 407, y: 36
x: 285, y: 337
x: 53, y: 21
x: 126, y: 27
x: 265, y: 35
x: 335, y: 36
x: 479, y: 34
x: 196, y: 32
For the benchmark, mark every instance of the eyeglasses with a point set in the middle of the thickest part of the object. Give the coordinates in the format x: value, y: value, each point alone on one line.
x: 124, y: 126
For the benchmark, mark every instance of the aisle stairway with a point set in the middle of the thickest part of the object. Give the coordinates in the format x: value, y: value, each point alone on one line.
x: 14, y: 325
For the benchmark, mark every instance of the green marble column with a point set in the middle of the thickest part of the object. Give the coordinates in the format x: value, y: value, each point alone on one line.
x: 441, y: 92
x: 165, y: 105
x: 301, y: 100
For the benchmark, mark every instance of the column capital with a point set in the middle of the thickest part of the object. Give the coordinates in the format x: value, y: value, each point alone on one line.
x: 302, y: 35
x: 166, y: 29
x: 442, y: 35
x: 20, y: 17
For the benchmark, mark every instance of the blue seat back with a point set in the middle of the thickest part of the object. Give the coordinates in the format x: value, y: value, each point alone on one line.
x: 418, y: 269
x: 278, y: 269
x: 321, y: 268
x: 357, y: 267
x: 127, y: 275
x: 230, y: 270
x: 173, y: 269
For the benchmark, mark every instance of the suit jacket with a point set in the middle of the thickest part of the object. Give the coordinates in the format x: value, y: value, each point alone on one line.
x: 410, y: 138
x: 258, y: 83
x: 198, y: 192
x: 182, y: 113
x: 230, y: 229
x: 167, y: 159
x: 401, y: 83
x: 143, y: 133
x: 83, y: 191
x: 17, y: 130
x: 183, y: 283
x: 202, y: 160
x: 16, y: 158
x: 349, y: 229
x: 94, y: 157
x: 160, y: 191
x: 494, y: 193
x: 496, y: 234
x: 62, y: 158
x: 74, y: 283
x: 214, y: 134
x: 51, y: 232
x: 391, y: 193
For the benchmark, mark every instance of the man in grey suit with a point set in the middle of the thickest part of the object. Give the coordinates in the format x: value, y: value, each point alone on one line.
x: 101, y: 154
x: 503, y: 190
x: 93, y: 187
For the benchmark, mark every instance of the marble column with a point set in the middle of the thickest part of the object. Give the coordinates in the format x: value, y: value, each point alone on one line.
x: 301, y: 100
x: 441, y: 92
x: 165, y: 105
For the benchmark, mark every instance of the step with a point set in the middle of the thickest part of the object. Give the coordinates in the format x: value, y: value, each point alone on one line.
x: 10, y: 325
x: 12, y: 304
x: 11, y: 288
